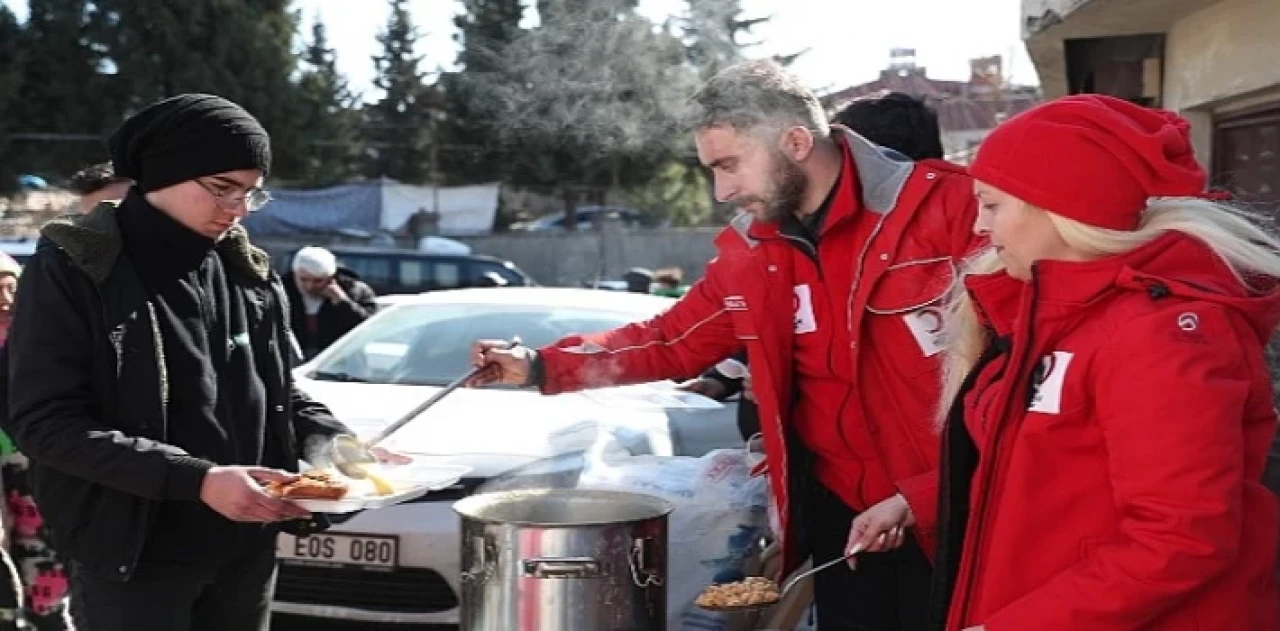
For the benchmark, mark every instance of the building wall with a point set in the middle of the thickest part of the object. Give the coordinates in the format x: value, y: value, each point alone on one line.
x: 1220, y: 55
x: 1223, y: 51
x: 1046, y: 24
x: 1220, y: 59
x: 1038, y: 15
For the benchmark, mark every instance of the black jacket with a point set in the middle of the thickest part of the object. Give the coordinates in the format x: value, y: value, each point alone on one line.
x: 334, y: 320
x: 88, y: 388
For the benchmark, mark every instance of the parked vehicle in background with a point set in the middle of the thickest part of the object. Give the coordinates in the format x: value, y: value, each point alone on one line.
x: 20, y: 249
x: 396, y: 271
x: 587, y: 218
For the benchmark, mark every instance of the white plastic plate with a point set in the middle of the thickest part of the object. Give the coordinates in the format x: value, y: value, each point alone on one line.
x: 410, y: 482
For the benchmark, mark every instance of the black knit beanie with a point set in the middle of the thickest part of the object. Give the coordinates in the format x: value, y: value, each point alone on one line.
x: 185, y: 137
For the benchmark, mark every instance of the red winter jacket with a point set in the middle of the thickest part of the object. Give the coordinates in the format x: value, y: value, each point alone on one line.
x: 923, y: 217
x: 1120, y: 442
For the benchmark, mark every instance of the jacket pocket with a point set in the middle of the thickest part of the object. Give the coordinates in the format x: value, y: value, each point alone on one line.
x: 910, y: 286
x: 905, y: 314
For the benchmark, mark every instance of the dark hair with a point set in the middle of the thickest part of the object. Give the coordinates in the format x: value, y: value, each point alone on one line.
x: 898, y: 121
x: 94, y: 178
x: 669, y: 276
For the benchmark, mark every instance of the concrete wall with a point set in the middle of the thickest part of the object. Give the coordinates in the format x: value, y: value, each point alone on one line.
x: 1219, y: 59
x: 1223, y: 51
x: 570, y: 258
x: 1047, y: 23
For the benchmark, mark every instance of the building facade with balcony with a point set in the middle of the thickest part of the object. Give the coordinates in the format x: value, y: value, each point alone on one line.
x: 1217, y: 62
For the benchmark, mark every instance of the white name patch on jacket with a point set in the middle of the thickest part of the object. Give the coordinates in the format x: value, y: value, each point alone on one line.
x: 926, y: 327
x: 803, y: 302
x: 1050, y: 378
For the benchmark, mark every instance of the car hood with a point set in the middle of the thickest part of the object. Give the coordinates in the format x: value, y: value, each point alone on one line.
x: 495, y: 430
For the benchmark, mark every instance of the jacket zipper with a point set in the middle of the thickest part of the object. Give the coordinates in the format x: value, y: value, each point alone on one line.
x: 217, y: 348
x: 284, y: 391
x: 810, y: 249
x: 136, y: 553
x: 848, y: 325
x: 993, y: 442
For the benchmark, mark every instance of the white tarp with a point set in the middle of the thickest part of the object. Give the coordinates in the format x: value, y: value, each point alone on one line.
x: 464, y: 210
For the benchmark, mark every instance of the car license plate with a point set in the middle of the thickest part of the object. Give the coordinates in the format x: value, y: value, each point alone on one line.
x: 369, y: 551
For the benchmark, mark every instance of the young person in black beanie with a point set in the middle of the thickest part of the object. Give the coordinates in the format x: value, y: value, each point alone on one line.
x: 149, y: 381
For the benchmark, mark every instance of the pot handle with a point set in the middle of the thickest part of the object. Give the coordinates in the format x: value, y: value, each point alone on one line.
x: 643, y: 572
x: 484, y: 561
x: 564, y: 567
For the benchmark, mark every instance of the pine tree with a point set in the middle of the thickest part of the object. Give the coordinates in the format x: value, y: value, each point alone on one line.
x: 715, y: 34
x: 471, y: 140
x: 563, y: 11
x: 329, y: 114
x: 485, y: 28
x: 238, y: 49
x: 61, y: 97
x: 400, y: 127
x: 590, y: 100
x: 11, y: 54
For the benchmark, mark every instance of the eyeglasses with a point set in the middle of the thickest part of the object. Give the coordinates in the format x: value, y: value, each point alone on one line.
x: 253, y: 199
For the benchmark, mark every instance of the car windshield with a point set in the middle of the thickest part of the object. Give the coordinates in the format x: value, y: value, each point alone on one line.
x: 431, y: 344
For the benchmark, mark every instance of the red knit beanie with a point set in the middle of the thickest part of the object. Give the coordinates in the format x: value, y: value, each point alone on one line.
x: 1092, y: 158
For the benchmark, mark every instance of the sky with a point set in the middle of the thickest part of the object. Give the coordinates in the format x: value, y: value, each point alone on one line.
x: 848, y: 41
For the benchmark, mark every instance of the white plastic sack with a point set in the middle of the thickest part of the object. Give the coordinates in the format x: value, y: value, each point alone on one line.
x: 719, y: 516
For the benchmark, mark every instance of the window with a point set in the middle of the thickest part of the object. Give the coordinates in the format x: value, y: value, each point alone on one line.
x: 374, y: 270
x: 414, y: 274
x: 447, y: 274
x: 1126, y: 67
x: 1246, y: 156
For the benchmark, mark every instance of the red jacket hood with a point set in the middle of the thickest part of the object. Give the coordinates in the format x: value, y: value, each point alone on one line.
x: 1173, y: 264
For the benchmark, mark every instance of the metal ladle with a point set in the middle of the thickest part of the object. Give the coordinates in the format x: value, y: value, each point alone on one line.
x: 789, y: 585
x: 351, y: 456
x: 786, y: 587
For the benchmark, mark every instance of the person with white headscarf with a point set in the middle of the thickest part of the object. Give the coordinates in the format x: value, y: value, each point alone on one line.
x: 325, y: 300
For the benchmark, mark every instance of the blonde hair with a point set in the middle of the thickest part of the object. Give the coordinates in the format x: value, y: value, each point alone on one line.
x: 1234, y: 235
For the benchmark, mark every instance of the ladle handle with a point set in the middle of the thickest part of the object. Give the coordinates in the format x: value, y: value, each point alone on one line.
x: 435, y: 398
x: 806, y: 574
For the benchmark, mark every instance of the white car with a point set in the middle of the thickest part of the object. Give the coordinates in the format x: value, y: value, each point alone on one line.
x: 401, y: 564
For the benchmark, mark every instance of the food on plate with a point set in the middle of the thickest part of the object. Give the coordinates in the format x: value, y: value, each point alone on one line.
x: 380, y: 484
x: 752, y: 591
x: 312, y: 485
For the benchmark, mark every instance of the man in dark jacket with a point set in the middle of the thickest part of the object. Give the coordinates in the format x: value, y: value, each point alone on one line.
x: 325, y: 300
x: 149, y: 381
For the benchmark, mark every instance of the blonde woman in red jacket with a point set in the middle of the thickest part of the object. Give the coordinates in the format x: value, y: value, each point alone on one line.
x: 1108, y: 407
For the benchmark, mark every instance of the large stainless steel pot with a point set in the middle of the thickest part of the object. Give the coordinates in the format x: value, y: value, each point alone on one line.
x: 563, y: 560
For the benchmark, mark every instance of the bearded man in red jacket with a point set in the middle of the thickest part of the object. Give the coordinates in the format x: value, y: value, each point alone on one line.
x: 831, y: 280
